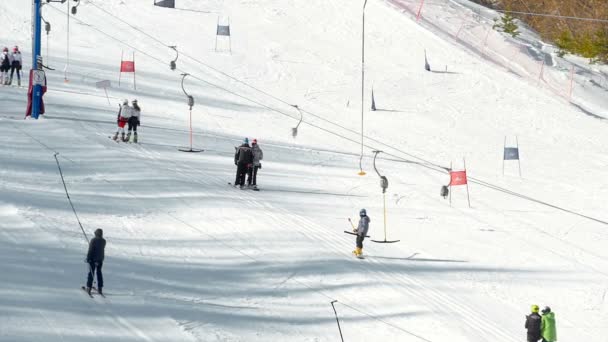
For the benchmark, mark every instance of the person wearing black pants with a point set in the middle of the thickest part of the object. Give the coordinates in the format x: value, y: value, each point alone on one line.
x: 243, y: 158
x: 258, y: 155
x: 16, y: 65
x: 361, y: 231
x: 95, y: 258
x: 134, y: 121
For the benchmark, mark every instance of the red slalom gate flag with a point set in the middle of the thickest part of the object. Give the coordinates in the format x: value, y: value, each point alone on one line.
x: 458, y: 178
x: 127, y: 66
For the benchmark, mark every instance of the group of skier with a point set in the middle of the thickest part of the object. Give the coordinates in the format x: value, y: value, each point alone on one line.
x: 130, y: 116
x: 10, y: 61
x: 248, y: 161
x: 539, y: 327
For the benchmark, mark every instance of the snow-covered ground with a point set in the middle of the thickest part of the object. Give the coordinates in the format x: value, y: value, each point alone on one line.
x: 191, y: 259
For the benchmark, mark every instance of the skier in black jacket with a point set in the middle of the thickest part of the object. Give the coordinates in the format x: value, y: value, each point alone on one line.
x: 95, y: 258
x: 533, y: 325
x: 243, y: 159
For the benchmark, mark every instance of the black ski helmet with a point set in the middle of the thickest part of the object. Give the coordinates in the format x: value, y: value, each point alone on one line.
x: 99, y: 232
x: 362, y: 212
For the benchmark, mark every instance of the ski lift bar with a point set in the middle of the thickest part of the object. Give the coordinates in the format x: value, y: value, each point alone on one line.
x: 384, y: 186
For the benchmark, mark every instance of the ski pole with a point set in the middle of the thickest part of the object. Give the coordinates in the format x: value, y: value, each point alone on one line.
x: 351, y: 223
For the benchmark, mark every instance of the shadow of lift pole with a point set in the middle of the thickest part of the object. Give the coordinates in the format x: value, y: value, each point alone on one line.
x: 384, y: 186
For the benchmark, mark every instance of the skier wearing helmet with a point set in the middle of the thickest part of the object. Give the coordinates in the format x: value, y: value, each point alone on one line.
x: 16, y: 63
x: 532, y: 325
x: 134, y: 121
x: 361, y: 231
x: 252, y: 173
x: 547, y: 325
x: 124, y: 113
x: 95, y: 257
x: 5, y: 66
x: 243, y: 158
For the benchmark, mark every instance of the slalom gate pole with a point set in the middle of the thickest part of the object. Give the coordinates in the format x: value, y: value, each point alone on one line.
x: 571, y: 84
x: 69, y: 199
x: 503, y: 155
x: 419, y: 10
x: 337, y: 320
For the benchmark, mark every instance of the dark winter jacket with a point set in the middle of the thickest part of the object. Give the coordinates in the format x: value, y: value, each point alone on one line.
x: 97, y: 246
x: 5, y: 60
x: 243, y: 155
x: 533, y: 326
x: 363, y: 225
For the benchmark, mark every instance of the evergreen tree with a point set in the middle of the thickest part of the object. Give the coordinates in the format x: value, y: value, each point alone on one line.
x: 602, y: 45
x: 507, y: 25
x: 565, y: 43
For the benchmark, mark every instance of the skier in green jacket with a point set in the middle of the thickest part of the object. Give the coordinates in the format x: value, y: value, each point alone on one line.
x: 547, y: 325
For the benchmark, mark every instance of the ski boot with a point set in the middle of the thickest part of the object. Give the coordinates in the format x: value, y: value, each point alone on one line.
x: 128, y: 137
x: 99, y: 290
x: 19, y: 82
x: 358, y: 251
x: 135, y: 137
x: 115, y: 137
x: 89, y: 291
x: 10, y: 81
x: 122, y: 137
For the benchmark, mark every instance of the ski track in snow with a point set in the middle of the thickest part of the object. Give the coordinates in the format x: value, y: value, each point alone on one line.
x: 190, y: 258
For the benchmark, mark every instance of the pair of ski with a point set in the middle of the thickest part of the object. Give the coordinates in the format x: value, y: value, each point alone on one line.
x: 120, y: 140
x: 91, y: 294
x: 246, y: 187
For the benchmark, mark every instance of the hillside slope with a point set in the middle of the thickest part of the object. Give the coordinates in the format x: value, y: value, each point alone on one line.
x: 191, y: 259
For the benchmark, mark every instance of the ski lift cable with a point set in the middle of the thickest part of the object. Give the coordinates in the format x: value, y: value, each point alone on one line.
x: 258, y: 89
x: 425, y: 163
x: 372, y: 316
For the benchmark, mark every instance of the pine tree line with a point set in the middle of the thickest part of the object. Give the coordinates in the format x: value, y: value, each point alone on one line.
x: 585, y: 38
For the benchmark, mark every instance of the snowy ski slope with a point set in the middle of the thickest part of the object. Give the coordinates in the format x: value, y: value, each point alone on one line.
x: 191, y: 259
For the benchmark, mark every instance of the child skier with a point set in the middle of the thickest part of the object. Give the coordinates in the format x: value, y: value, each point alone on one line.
x: 122, y: 118
x: 5, y: 66
x: 134, y: 121
x: 361, y: 231
x: 16, y: 65
x: 95, y: 258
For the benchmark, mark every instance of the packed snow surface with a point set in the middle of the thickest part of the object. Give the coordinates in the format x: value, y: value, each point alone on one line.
x: 189, y: 258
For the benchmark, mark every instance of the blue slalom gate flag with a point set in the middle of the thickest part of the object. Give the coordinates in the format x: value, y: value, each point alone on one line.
x: 511, y: 153
x: 165, y: 3
x: 223, y: 30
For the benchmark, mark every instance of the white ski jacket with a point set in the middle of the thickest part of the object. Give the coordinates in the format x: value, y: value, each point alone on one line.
x: 258, y: 154
x: 125, y: 112
x: 16, y: 57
